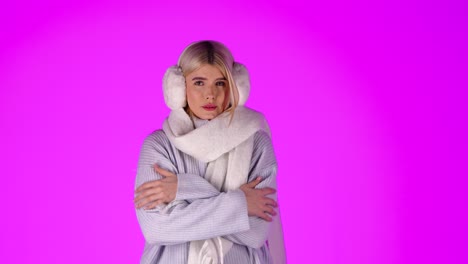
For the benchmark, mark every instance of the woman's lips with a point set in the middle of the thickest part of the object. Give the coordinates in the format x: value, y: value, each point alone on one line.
x: 209, y: 107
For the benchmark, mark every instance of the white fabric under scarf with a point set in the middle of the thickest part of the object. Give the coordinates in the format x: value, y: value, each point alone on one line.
x: 227, y: 146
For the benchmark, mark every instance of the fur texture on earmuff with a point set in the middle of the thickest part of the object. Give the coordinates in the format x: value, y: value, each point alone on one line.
x: 242, y: 79
x: 174, y: 88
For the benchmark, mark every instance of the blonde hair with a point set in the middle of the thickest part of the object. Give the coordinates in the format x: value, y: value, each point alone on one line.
x: 216, y: 54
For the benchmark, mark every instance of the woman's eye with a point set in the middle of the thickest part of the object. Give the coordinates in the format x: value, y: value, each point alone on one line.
x: 221, y: 84
x: 198, y: 83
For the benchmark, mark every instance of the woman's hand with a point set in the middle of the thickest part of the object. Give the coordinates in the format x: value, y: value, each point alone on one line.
x: 154, y: 193
x: 258, y: 204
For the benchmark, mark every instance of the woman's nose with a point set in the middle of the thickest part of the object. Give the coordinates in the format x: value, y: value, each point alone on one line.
x: 210, y: 92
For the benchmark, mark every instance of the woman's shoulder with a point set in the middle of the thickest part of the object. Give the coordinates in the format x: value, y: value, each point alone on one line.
x: 157, y: 137
x: 262, y: 140
x: 262, y: 135
x: 248, y: 112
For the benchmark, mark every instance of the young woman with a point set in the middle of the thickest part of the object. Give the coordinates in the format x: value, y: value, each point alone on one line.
x: 205, y: 182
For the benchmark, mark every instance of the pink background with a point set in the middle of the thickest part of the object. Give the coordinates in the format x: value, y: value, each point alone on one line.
x: 366, y: 100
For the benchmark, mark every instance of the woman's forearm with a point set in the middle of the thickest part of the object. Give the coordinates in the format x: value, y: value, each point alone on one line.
x: 221, y: 215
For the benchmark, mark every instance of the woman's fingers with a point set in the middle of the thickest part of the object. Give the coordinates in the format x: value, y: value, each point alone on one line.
x: 163, y: 172
x: 267, y: 191
x: 146, y: 192
x: 258, y: 202
x: 271, y: 202
x: 265, y: 217
x: 153, y: 205
x: 155, y: 183
x: 161, y: 191
x: 265, y: 212
x: 270, y: 210
x: 149, y: 185
x: 254, y: 183
x: 144, y: 200
x: 146, y: 185
x: 148, y: 196
x: 154, y: 199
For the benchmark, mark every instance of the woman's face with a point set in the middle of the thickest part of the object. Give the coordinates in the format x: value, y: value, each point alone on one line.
x: 207, y: 92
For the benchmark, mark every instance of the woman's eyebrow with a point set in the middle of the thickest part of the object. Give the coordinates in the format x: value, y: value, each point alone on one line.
x: 204, y: 79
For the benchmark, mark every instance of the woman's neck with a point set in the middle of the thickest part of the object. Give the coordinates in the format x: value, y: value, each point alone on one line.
x: 197, y: 122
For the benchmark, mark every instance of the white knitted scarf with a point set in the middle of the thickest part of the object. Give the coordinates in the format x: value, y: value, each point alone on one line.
x: 226, y: 145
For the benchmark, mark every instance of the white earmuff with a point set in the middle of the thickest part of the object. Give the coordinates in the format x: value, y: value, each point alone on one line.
x: 242, y: 79
x: 174, y: 88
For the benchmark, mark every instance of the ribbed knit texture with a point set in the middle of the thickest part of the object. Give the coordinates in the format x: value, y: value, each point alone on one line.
x: 199, y: 210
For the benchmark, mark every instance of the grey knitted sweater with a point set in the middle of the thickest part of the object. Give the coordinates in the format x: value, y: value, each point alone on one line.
x: 202, y: 211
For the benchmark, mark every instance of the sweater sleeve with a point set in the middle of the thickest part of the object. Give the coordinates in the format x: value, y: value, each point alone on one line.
x: 191, y: 187
x: 181, y: 221
x: 263, y: 164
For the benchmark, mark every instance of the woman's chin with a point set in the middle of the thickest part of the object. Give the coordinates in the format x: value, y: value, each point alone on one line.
x: 207, y: 116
